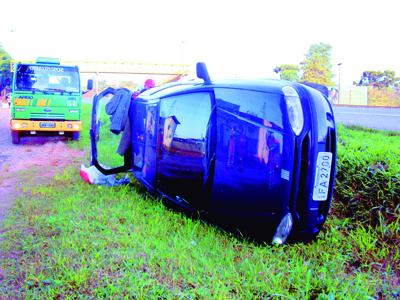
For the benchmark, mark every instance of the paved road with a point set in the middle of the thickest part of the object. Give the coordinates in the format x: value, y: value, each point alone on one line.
x: 369, y: 117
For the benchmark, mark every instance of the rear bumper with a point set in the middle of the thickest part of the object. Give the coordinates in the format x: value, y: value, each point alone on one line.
x: 45, y: 125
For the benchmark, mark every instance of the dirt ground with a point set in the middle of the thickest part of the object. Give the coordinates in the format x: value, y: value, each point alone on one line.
x: 35, y: 159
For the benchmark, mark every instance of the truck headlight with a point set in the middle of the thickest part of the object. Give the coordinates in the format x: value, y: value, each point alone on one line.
x: 294, y: 109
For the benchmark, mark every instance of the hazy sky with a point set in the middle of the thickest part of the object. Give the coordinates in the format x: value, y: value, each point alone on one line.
x: 235, y: 38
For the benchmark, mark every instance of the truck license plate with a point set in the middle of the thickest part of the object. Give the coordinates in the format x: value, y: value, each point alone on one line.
x: 47, y: 124
x: 322, y: 176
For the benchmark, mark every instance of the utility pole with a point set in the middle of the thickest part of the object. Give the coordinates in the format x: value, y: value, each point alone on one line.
x: 339, y: 65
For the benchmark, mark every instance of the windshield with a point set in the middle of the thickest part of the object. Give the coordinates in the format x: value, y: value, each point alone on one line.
x: 47, y: 78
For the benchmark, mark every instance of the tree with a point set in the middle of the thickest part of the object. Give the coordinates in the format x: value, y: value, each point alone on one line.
x: 288, y: 72
x: 5, y: 69
x: 379, y: 79
x: 128, y: 84
x: 317, y: 67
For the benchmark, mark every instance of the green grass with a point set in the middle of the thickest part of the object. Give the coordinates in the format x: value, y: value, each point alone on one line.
x: 71, y: 239
x: 368, y: 177
x: 68, y: 239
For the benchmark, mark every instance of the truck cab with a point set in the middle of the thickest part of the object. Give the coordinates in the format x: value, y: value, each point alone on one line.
x: 46, y: 100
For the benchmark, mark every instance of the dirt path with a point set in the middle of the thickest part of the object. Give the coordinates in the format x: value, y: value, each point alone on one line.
x: 35, y: 157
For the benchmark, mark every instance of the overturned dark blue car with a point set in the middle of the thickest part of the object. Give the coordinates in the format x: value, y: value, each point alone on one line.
x: 256, y: 154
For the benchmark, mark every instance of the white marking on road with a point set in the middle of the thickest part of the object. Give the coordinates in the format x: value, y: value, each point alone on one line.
x: 365, y: 114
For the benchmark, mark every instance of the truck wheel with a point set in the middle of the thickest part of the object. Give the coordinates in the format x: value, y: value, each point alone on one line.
x: 15, y: 138
x: 76, y: 135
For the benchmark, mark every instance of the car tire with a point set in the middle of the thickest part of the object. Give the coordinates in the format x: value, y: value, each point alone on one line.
x: 75, y: 135
x: 15, y: 137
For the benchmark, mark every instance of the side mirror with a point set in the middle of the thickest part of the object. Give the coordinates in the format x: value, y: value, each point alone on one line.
x: 90, y: 84
x: 202, y: 72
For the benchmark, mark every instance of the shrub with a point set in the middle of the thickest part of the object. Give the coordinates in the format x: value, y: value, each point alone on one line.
x: 383, y: 96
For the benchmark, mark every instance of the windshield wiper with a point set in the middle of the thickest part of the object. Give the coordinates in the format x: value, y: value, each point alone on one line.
x: 57, y: 90
x: 62, y: 91
x: 34, y: 90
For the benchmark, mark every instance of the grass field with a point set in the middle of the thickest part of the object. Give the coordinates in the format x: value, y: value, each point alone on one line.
x: 72, y: 240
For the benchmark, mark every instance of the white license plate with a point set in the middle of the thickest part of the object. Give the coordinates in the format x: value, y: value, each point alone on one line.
x: 322, y: 176
x: 47, y: 125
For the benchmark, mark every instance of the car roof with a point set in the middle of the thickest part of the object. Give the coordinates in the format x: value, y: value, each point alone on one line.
x: 261, y: 85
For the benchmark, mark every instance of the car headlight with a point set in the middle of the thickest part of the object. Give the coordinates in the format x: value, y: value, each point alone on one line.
x: 294, y: 109
x: 283, y: 230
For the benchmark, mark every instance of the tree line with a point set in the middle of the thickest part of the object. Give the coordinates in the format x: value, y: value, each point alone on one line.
x: 317, y: 68
x: 5, y: 69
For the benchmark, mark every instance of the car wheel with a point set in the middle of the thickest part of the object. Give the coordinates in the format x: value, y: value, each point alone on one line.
x: 15, y: 137
x: 76, y: 136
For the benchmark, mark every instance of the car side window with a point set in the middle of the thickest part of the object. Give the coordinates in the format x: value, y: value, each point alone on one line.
x: 185, y: 116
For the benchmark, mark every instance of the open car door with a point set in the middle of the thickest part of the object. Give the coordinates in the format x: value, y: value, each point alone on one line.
x: 117, y: 104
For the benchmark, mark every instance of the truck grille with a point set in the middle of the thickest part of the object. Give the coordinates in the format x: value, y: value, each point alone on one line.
x: 52, y: 116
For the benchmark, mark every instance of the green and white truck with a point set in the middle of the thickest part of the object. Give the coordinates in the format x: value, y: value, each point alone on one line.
x: 46, y: 100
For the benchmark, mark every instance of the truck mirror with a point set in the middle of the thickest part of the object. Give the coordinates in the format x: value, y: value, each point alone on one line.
x: 90, y: 84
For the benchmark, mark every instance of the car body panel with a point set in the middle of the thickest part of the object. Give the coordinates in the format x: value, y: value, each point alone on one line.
x: 228, y: 149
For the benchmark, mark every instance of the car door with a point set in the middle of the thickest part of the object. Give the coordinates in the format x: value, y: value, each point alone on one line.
x: 105, y: 144
x: 251, y: 172
x: 184, y: 146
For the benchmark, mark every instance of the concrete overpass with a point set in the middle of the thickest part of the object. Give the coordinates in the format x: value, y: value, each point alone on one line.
x: 166, y: 72
x: 95, y: 67
x: 119, y: 67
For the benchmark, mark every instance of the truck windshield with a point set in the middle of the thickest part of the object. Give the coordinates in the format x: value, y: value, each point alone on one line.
x: 47, y: 78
